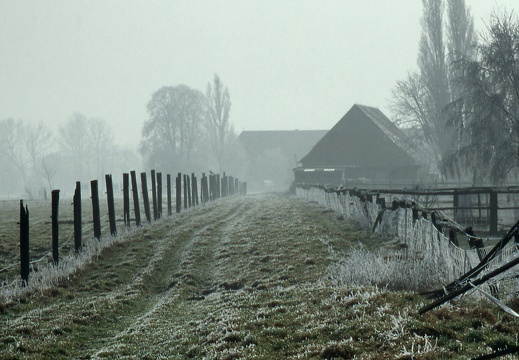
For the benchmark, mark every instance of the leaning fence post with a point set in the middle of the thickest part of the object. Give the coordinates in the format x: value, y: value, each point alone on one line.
x: 111, y: 204
x: 168, y: 188
x: 154, y: 195
x: 126, y: 199
x: 24, y: 243
x: 135, y: 193
x: 55, y: 227
x: 96, y: 213
x: 77, y: 218
x: 145, y: 197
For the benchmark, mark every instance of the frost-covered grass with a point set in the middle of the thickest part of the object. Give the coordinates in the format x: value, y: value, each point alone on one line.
x: 241, y: 278
x: 386, y: 269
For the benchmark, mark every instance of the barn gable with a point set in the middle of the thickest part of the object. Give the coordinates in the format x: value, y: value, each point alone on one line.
x: 363, y: 144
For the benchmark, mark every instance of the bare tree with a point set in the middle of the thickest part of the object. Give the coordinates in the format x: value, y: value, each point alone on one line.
x: 172, y: 132
x: 47, y: 170
x: 420, y: 101
x: 12, y: 144
x: 75, y: 139
x: 488, y: 110
x: 38, y: 141
x: 219, y: 110
x: 102, y: 144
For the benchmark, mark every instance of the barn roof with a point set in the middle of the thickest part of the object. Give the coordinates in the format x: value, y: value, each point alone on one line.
x: 363, y: 137
x: 290, y: 142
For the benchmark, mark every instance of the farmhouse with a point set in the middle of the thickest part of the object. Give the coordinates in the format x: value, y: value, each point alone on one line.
x: 271, y: 156
x: 363, y: 147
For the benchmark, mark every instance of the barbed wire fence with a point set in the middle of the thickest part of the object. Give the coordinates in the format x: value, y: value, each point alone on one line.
x: 46, y: 270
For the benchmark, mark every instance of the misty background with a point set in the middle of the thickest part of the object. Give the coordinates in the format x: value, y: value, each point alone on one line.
x: 80, y: 81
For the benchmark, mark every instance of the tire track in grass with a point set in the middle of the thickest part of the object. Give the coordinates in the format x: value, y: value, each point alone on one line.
x: 233, y: 269
x: 180, y: 281
x: 128, y: 280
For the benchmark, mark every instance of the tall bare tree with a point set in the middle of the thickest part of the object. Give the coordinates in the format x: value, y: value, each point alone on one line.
x: 75, y: 141
x: 12, y: 145
x: 487, y: 118
x: 219, y: 110
x: 420, y: 100
x: 102, y: 144
x: 172, y: 132
x: 38, y: 141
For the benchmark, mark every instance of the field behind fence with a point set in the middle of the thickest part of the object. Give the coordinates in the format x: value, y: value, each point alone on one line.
x: 42, y: 241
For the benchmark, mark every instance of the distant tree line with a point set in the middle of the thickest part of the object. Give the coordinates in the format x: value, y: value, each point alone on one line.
x: 461, y: 107
x: 187, y: 130
x: 35, y: 160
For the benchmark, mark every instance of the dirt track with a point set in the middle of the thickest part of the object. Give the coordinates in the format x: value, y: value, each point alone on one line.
x: 239, y: 278
x: 148, y: 295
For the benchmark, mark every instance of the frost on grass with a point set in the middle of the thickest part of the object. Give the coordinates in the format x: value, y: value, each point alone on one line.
x: 379, y: 268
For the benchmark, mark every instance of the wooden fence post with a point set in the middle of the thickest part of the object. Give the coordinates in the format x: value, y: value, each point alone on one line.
x: 126, y: 199
x: 211, y: 187
x: 24, y: 244
x: 77, y: 218
x: 193, y: 189
x: 55, y: 227
x: 145, y: 197
x: 154, y: 195
x: 493, y: 212
x: 456, y: 204
x: 185, y: 192
x: 178, y: 192
x: 159, y: 194
x: 111, y: 204
x: 244, y: 188
x: 223, y: 187
x: 188, y: 191
x: 217, y: 186
x: 96, y: 213
x: 135, y: 193
x: 168, y: 188
x: 204, y: 192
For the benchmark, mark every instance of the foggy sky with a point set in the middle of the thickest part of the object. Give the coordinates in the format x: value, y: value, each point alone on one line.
x: 287, y: 64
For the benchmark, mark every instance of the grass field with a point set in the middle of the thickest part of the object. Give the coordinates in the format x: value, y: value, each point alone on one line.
x: 40, y: 231
x: 244, y: 277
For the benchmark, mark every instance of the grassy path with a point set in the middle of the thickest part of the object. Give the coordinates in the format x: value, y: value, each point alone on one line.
x: 240, y: 278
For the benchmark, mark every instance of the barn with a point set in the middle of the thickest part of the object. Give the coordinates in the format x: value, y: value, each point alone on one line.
x: 363, y: 147
x: 271, y: 155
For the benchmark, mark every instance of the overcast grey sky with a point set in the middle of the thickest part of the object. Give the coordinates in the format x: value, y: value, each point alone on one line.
x: 287, y: 64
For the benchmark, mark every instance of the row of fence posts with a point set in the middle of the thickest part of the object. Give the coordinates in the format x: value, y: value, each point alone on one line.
x: 212, y: 188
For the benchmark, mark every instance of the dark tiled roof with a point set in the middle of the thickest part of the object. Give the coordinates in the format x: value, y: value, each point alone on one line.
x: 363, y: 137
